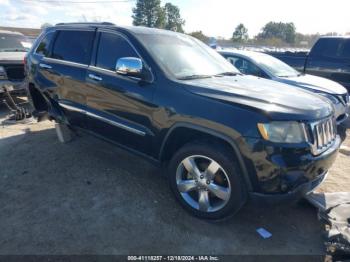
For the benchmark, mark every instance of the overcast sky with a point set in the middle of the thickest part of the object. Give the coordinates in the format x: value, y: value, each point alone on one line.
x: 213, y: 17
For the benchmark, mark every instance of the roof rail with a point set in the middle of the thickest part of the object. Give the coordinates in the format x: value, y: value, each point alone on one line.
x: 86, y: 23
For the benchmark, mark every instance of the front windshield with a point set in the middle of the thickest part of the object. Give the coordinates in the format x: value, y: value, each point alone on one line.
x: 185, y: 57
x: 275, y: 66
x: 14, y: 43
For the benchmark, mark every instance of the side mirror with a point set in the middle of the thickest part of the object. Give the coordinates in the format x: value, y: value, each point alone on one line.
x: 129, y: 66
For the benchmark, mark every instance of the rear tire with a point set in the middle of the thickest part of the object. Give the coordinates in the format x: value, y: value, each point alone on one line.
x: 215, y: 190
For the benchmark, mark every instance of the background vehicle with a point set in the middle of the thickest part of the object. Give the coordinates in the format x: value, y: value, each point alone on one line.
x: 266, y: 66
x: 175, y: 101
x: 13, y: 48
x: 329, y: 57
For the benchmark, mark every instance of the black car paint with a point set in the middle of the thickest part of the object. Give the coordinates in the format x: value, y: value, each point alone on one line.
x: 334, y: 68
x: 150, y: 113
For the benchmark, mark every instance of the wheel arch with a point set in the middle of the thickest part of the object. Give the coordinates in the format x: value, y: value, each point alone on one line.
x: 195, y: 132
x: 43, y: 102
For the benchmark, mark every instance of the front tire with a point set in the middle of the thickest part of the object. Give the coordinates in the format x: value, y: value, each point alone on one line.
x: 205, y: 178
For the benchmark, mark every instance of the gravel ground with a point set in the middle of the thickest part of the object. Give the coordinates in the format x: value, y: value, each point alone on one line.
x: 89, y: 197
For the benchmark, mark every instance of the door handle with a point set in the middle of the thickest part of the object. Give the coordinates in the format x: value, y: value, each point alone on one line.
x: 95, y: 77
x: 45, y: 66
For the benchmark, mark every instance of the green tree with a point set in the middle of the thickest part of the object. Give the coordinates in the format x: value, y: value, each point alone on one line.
x: 173, y: 20
x: 284, y: 31
x: 148, y: 13
x: 199, y: 35
x: 240, y: 34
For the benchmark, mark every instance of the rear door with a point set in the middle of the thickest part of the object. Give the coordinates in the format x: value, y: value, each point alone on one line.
x: 330, y: 58
x: 120, y: 108
x: 65, y: 70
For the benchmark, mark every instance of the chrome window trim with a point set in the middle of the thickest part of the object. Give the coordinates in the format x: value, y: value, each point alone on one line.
x: 113, y: 73
x: 64, y: 62
x: 104, y: 119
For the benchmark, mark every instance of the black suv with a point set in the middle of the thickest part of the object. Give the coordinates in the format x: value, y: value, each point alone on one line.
x: 223, y: 136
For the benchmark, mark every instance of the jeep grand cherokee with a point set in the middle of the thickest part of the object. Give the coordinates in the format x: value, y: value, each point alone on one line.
x: 224, y: 136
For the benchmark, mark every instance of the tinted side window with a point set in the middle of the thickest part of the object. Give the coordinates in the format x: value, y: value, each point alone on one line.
x: 111, y: 48
x: 327, y: 47
x: 344, y: 51
x: 73, y: 46
x: 43, y: 47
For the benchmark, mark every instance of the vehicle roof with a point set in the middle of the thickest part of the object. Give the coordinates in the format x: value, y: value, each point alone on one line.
x: 335, y: 36
x: 132, y: 29
x: 10, y: 32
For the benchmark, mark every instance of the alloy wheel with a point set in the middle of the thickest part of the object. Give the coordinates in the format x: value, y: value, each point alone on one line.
x: 203, y: 183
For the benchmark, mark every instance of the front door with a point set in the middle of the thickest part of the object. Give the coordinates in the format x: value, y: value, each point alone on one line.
x: 119, y: 107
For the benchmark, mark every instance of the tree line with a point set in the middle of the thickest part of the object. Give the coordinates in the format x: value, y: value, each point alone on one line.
x: 151, y: 13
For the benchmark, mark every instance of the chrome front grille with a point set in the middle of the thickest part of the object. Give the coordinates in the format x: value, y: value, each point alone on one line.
x: 344, y: 99
x: 324, y: 134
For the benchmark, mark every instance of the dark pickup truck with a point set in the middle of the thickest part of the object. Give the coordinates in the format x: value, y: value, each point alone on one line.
x: 329, y: 58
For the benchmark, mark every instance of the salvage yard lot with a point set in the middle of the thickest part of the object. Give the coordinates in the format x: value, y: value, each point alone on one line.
x: 89, y: 197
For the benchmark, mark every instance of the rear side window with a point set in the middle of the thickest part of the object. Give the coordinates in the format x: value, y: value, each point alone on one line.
x: 344, y: 51
x: 73, y: 46
x: 44, y: 46
x: 327, y: 47
x: 112, y: 47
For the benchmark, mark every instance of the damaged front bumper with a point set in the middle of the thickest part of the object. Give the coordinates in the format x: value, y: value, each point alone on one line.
x: 293, y: 173
x: 293, y: 195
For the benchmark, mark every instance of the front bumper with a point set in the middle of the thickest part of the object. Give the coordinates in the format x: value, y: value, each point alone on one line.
x: 285, y: 174
x: 12, y: 86
x: 294, y: 195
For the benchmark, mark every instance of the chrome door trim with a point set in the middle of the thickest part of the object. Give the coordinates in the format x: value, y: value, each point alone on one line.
x: 104, y: 119
x: 117, y: 124
x: 72, y: 108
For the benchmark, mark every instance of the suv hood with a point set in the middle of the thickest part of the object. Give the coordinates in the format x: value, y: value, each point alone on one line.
x: 11, y: 57
x: 277, y: 100
x: 315, y: 83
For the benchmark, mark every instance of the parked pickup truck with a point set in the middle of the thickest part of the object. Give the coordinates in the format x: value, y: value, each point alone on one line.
x: 329, y: 57
x: 168, y: 97
x: 13, y: 48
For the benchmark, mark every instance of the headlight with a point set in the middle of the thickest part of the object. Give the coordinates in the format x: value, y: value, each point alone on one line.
x: 283, y: 132
x: 330, y: 97
x: 2, y: 73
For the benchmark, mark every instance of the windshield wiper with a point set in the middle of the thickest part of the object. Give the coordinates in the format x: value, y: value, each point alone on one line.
x: 229, y: 73
x: 189, y: 77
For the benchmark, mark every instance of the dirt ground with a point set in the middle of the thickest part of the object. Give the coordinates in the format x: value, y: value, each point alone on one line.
x: 89, y: 197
